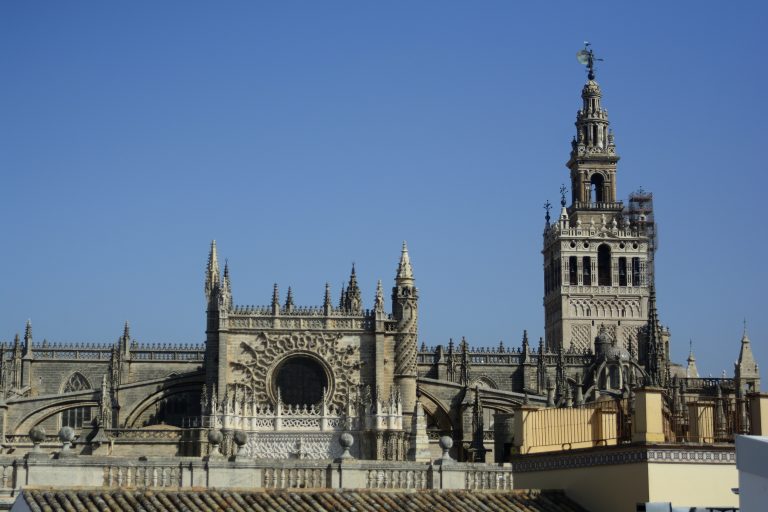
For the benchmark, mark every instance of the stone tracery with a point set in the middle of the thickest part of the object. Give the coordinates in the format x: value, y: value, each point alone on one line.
x: 260, y: 357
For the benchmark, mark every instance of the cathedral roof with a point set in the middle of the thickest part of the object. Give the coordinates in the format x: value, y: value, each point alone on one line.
x: 294, y: 500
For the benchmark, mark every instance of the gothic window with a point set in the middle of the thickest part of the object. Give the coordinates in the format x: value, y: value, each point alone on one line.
x: 604, y: 265
x: 573, y: 271
x: 587, y: 271
x: 635, y: 271
x: 76, y: 382
x: 77, y: 417
x: 622, y: 271
x: 596, y: 188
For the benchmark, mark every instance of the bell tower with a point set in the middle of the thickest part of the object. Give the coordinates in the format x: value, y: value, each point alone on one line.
x: 597, y: 253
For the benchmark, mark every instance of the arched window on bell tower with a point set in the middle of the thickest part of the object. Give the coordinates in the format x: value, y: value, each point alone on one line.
x: 604, y: 265
x: 597, y: 188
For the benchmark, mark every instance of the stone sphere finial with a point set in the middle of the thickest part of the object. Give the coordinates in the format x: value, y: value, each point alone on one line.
x: 66, y: 435
x: 240, y: 437
x: 446, y: 443
x: 37, y: 436
x: 215, y: 438
x: 346, y: 440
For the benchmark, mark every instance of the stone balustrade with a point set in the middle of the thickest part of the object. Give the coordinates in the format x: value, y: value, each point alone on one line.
x: 47, y: 470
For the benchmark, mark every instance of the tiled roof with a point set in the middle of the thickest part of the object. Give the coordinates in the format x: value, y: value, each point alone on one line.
x: 210, y: 500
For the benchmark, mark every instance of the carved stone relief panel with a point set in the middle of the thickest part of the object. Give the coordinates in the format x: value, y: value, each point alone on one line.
x: 305, y: 445
x: 581, y: 337
x: 254, y: 366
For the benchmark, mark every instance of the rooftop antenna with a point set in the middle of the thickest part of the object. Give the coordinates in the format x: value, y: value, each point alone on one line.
x: 587, y: 58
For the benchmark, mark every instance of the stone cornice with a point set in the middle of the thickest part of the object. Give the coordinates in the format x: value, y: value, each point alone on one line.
x: 605, y: 456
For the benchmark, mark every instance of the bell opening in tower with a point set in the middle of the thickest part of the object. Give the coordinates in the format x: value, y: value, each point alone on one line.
x: 596, y: 188
x: 604, y: 265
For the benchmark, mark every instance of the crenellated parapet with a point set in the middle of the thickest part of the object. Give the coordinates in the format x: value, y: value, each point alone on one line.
x: 103, y: 351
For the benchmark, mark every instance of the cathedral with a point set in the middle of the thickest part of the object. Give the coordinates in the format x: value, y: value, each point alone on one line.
x: 290, y: 381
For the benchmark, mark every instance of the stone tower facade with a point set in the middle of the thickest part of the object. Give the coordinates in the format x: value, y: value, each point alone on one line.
x: 405, y: 310
x: 598, y: 253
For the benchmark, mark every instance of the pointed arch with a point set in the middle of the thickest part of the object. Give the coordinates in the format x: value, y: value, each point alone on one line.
x: 76, y: 382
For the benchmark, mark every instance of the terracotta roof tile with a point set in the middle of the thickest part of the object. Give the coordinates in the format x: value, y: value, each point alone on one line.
x: 316, y: 500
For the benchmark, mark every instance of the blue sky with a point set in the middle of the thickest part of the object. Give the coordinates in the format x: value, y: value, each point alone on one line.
x: 304, y: 136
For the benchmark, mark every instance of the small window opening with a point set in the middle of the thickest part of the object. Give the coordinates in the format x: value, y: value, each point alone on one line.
x: 622, y: 271
x: 596, y: 188
x: 573, y: 270
x: 587, y: 271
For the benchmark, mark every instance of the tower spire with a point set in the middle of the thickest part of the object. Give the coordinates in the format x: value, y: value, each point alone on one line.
x: 746, y: 370
x: 404, y: 268
x: 593, y: 153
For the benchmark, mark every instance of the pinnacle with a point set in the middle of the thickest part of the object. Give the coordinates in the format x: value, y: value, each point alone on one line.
x: 404, y: 269
x: 327, y: 300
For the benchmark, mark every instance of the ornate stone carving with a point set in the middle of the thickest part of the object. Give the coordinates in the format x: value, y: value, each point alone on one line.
x: 405, y: 352
x: 260, y: 356
x: 305, y: 445
x: 581, y: 337
x: 630, y: 336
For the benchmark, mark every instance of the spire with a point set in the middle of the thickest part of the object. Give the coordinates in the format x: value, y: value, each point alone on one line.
x: 691, y: 371
x: 28, y: 338
x: 125, y: 341
x: 657, y: 353
x: 593, y: 152
x: 746, y: 367
x: 16, y: 346
x: 526, y: 346
x: 327, y: 306
x: 353, y: 299
x: 289, y: 300
x: 378, y: 305
x: 212, y: 277
x: 404, y: 269
x: 275, y: 299
x: 225, y: 299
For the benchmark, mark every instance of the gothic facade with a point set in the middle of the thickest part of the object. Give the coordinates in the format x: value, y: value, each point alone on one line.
x: 285, y: 381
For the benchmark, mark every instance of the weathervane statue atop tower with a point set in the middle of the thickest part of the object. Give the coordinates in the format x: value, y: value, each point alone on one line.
x: 587, y: 57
